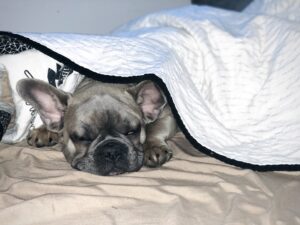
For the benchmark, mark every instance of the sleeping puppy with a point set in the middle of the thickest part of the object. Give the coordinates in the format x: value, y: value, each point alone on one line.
x: 105, y: 129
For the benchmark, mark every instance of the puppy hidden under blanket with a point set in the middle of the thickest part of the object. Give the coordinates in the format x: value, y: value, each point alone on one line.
x: 231, y: 79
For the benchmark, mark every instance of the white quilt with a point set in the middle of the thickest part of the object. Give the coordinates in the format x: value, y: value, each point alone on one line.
x: 234, y: 77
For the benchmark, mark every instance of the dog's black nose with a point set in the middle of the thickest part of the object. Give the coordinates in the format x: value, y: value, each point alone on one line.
x: 112, y: 151
x: 112, y: 154
x: 111, y: 157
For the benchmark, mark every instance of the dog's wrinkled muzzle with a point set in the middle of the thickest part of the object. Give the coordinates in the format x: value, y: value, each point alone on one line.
x: 111, y: 157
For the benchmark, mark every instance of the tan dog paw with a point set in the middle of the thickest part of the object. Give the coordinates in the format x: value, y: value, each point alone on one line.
x: 157, y: 156
x: 41, y: 137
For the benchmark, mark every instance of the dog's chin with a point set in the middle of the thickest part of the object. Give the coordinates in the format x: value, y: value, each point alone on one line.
x: 89, y: 165
x: 109, y: 172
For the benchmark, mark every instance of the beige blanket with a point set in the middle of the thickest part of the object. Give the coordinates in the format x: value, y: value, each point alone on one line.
x: 39, y: 187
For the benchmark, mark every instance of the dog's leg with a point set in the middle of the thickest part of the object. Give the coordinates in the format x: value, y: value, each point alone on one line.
x: 156, y: 149
x: 41, y: 137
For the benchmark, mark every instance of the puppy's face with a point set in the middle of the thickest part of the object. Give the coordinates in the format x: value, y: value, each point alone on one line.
x: 103, y: 134
x: 103, y: 125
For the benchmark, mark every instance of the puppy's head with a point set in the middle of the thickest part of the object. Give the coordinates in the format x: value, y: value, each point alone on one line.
x: 103, y: 125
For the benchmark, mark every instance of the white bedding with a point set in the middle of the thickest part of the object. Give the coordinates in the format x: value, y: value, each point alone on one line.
x: 234, y: 77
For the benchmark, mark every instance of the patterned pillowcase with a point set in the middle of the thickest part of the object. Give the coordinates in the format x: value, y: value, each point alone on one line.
x: 5, y: 118
x: 9, y: 45
x: 18, y: 61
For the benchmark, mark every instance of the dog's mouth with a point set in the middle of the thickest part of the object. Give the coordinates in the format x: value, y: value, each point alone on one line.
x: 112, y: 159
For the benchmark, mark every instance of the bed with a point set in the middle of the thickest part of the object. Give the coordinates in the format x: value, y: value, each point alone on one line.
x: 40, y: 187
x: 237, y: 157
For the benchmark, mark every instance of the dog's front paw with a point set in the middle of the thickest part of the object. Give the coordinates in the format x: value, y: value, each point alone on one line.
x: 157, y: 156
x: 41, y: 137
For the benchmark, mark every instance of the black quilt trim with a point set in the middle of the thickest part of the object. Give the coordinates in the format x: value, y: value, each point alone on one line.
x: 153, y: 77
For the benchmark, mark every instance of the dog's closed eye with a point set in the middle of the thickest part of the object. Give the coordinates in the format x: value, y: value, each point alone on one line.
x: 133, y: 131
x: 85, y: 138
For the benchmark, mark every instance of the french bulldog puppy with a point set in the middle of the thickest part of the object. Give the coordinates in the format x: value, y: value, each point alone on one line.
x: 105, y: 129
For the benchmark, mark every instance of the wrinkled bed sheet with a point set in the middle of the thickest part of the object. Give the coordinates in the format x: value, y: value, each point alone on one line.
x: 37, y: 186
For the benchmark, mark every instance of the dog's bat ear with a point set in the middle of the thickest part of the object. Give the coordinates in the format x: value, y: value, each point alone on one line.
x: 150, y: 99
x: 50, y: 102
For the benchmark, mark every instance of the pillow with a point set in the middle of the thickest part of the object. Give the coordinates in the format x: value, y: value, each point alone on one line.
x: 34, y: 65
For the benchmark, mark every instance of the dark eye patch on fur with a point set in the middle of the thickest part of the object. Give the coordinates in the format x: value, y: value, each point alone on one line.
x: 85, y: 137
x: 127, y: 127
x: 133, y: 130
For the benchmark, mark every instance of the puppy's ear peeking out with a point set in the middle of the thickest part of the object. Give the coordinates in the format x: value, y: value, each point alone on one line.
x: 149, y: 98
x: 50, y: 102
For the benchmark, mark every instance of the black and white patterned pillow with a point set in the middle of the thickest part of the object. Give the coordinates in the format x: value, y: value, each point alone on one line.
x: 5, y: 118
x: 9, y: 45
x: 56, y: 78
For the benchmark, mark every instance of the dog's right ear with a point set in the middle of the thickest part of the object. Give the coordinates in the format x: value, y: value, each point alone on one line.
x: 50, y: 102
x: 149, y: 98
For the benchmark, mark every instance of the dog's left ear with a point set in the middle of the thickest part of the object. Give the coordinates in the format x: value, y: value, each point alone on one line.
x: 149, y: 98
x: 49, y: 102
